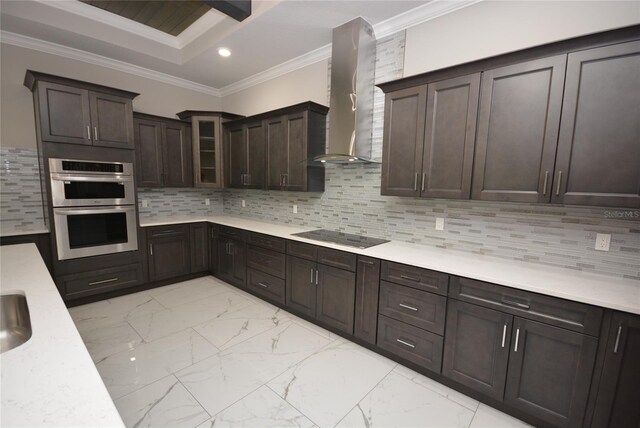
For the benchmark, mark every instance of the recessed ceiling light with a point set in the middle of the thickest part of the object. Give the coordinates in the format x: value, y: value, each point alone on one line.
x: 224, y: 52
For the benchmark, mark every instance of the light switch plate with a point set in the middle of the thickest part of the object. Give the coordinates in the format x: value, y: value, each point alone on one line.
x: 244, y: 204
x: 207, y: 201
x: 439, y: 223
x: 295, y: 209
x: 145, y: 203
x: 603, y: 241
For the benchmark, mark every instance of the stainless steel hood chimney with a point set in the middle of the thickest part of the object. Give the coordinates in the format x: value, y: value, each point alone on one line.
x: 353, y: 57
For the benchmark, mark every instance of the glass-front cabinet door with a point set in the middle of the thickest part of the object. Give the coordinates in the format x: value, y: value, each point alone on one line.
x: 207, y: 151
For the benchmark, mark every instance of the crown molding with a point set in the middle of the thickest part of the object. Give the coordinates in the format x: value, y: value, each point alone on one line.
x: 91, y: 58
x: 297, y: 63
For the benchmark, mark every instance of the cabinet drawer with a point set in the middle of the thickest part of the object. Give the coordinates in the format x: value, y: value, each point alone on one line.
x: 168, y: 230
x: 266, y: 285
x: 418, y: 308
x: 422, y: 279
x: 100, y: 281
x: 302, y: 250
x: 411, y: 343
x: 267, y: 261
x: 232, y: 232
x: 266, y: 241
x: 549, y: 310
x: 336, y: 258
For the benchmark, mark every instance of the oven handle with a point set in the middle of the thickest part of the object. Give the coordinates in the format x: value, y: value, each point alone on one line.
x: 98, y: 210
x: 71, y: 177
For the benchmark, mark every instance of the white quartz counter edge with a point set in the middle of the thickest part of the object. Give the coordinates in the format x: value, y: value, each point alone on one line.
x: 20, y: 232
x: 50, y: 380
x: 600, y: 290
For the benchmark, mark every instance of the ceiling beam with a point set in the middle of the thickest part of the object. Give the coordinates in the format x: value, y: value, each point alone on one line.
x: 237, y: 9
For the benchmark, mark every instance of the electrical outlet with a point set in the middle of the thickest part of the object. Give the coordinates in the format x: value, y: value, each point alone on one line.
x: 603, y: 241
x: 244, y: 204
x: 439, y: 223
x: 207, y: 201
x: 295, y: 209
x: 145, y: 203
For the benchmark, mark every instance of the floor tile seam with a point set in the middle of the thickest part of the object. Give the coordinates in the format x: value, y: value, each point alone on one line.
x: 366, y: 394
x: 230, y: 348
x: 290, y: 404
x: 206, y: 340
x: 473, y: 417
x: 144, y: 386
x: 194, y: 397
x: 315, y: 332
x: 238, y: 400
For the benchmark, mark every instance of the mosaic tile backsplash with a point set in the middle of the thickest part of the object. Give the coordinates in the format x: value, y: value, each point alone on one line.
x: 169, y: 202
x: 21, y: 206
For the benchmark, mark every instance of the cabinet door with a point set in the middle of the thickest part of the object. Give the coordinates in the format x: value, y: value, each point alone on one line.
x: 301, y: 288
x: 168, y: 257
x: 213, y: 249
x: 199, y: 247
x: 617, y: 401
x: 177, y: 156
x: 297, y: 138
x: 207, y: 164
x: 404, y: 114
x: 65, y: 116
x: 236, y: 163
x: 277, y: 152
x: 599, y: 146
x: 476, y: 347
x: 518, y: 131
x: 111, y: 120
x: 550, y: 372
x: 256, y: 156
x: 225, y: 259
x: 449, y: 138
x: 335, y: 299
x: 149, y: 159
x: 367, y: 287
x: 239, y: 255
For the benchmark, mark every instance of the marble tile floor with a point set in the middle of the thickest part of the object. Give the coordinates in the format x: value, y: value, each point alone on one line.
x: 202, y: 353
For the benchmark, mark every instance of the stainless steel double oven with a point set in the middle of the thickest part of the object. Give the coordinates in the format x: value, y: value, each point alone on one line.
x: 94, y: 210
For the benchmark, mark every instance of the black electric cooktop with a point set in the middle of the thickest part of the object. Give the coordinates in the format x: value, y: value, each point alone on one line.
x: 341, y: 238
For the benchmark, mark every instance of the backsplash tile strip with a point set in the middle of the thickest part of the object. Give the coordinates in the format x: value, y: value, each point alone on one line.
x: 184, y: 202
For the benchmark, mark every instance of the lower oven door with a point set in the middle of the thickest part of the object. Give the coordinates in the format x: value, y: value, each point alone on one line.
x: 84, y: 232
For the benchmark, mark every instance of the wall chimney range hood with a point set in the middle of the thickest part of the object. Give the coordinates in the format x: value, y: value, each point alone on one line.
x: 353, y: 57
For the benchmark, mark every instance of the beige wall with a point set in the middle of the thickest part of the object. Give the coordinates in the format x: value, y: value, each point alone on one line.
x: 306, y: 84
x: 16, y: 116
x: 494, y: 27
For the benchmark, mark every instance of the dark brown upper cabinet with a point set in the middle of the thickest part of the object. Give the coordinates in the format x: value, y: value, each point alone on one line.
x: 599, y: 147
x: 518, y: 131
x: 163, y: 152
x: 429, y: 137
x: 74, y: 112
x: 270, y: 150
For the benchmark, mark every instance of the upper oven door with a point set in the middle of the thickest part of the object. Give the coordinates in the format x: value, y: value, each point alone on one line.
x: 70, y: 190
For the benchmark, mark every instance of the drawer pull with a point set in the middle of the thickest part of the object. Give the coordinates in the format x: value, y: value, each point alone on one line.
x: 410, y: 278
x: 104, y: 281
x: 311, y: 279
x: 516, y: 304
x: 410, y: 345
x: 615, y: 347
x: 515, y: 348
x: 402, y: 305
x: 316, y: 276
x: 504, y: 334
x: 367, y: 262
x: 262, y: 284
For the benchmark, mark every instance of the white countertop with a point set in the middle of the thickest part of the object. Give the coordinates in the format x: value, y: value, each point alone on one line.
x: 27, y: 231
x: 50, y: 380
x: 600, y: 290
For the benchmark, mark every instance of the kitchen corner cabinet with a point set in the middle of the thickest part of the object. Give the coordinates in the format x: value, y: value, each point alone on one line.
x: 598, y: 159
x: 617, y: 399
x: 518, y: 131
x: 436, y: 123
x: 74, y: 112
x: 207, y: 146
x: 199, y: 242
x: 163, y: 152
x: 169, y: 251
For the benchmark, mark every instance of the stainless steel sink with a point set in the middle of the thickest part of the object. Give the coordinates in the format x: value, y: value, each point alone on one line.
x: 15, y: 322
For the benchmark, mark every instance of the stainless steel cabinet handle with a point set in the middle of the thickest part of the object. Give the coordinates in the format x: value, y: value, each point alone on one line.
x: 88, y: 132
x: 367, y: 262
x: 410, y: 345
x: 504, y: 334
x: 286, y: 178
x: 211, y: 233
x: 402, y: 305
x: 415, y: 182
x: 515, y: 348
x: 104, y: 281
x: 316, y: 276
x: 281, y: 180
x: 546, y: 180
x: 151, y: 249
x: 410, y: 278
x: 311, y: 279
x: 95, y: 133
x: 516, y: 304
x: 262, y: 284
x: 615, y: 347
x: 559, y: 182
x: 424, y: 178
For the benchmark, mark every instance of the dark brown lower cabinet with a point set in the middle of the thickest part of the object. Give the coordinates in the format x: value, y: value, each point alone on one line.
x: 323, y: 292
x: 232, y: 261
x: 84, y: 284
x: 367, y: 287
x: 199, y: 247
x: 169, y: 255
x: 213, y: 248
x: 267, y: 286
x: 617, y: 399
